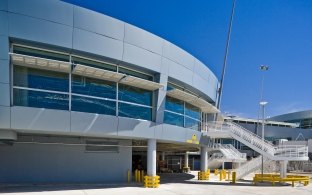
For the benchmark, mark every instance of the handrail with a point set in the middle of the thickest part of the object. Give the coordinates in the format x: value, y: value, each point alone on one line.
x: 263, y: 146
x: 250, y: 166
x: 229, y: 151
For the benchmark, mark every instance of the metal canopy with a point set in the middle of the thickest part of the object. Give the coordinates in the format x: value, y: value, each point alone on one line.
x: 192, y: 99
x: 40, y: 63
x: 140, y: 83
x: 97, y: 73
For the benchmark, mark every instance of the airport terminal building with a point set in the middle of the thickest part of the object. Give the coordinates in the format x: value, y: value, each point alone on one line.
x: 86, y: 97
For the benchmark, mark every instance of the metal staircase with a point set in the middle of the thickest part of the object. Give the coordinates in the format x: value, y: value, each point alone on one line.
x: 249, y: 167
x: 267, y: 149
x: 230, y: 154
x: 253, y: 141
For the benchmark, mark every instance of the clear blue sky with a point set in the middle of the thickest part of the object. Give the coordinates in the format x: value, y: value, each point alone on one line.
x: 277, y: 33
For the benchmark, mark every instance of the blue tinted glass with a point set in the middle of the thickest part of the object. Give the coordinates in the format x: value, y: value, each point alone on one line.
x: 40, y: 99
x: 92, y: 105
x: 191, y: 123
x: 133, y: 111
x: 95, y: 64
x: 93, y: 87
x: 192, y: 111
x: 173, y: 119
x: 40, y: 79
x: 135, y: 95
x: 40, y: 53
x: 174, y: 105
x: 135, y: 74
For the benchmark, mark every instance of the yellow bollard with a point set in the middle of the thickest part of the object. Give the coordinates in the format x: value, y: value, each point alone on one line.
x: 221, y: 176
x: 139, y: 176
x: 136, y: 175
x: 142, y: 175
x: 229, y: 175
x: 233, y: 177
x: 128, y: 176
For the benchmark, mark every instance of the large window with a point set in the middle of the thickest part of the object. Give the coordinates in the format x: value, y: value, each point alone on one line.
x: 179, y: 113
x: 93, y: 87
x: 135, y: 95
x: 135, y: 111
x: 93, y: 105
x: 40, y: 79
x: 42, y: 88
x: 39, y: 99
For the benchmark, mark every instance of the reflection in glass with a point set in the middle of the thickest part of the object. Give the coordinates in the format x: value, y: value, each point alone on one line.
x: 174, y: 105
x: 94, y: 64
x: 173, y: 119
x: 40, y: 53
x: 133, y: 111
x: 92, y: 105
x: 40, y: 99
x: 135, y: 74
x: 93, y: 87
x: 40, y: 79
x: 192, y: 111
x: 135, y: 95
x: 192, y: 124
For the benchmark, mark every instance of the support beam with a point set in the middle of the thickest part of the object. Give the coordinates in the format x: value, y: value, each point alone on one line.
x: 151, y: 157
x: 283, y: 168
x: 203, y: 158
x: 163, y: 156
x: 186, y: 159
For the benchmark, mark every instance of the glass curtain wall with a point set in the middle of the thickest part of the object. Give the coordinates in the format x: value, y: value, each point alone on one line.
x: 180, y: 113
x: 57, y: 90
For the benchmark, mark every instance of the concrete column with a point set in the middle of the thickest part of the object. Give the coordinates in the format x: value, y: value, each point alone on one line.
x: 222, y: 165
x: 283, y: 168
x: 151, y: 157
x: 203, y: 158
x: 163, y: 156
x: 186, y: 159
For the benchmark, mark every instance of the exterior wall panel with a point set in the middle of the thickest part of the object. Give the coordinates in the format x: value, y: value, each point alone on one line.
x: 40, y: 120
x: 136, y: 128
x: 4, y: 48
x: 178, y: 55
x: 201, y: 70
x: 98, y: 23
x: 38, y: 30
x: 171, y: 132
x: 93, y: 124
x: 181, y: 73
x: 5, y: 94
x: 143, y: 39
x: 4, y: 72
x: 55, y: 11
x: 141, y: 57
x: 4, y: 5
x: 5, y: 117
x: 4, y: 23
x: 62, y: 164
x: 97, y: 44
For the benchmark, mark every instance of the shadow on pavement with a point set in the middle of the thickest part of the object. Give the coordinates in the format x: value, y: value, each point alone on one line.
x: 165, y: 178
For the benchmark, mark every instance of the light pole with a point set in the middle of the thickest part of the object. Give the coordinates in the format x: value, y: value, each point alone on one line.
x: 219, y: 92
x: 262, y: 104
x: 263, y: 68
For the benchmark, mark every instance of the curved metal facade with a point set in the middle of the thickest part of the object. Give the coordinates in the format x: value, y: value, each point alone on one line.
x: 69, y: 28
x: 56, y: 26
x: 303, y: 118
